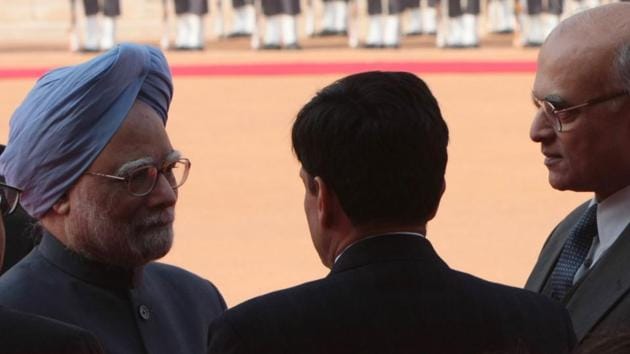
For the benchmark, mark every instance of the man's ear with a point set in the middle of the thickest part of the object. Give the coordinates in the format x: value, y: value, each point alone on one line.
x: 62, y: 206
x: 327, y: 203
x: 437, y: 206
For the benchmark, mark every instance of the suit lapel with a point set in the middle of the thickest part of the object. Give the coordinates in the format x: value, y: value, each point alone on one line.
x: 602, y: 287
x: 551, y: 250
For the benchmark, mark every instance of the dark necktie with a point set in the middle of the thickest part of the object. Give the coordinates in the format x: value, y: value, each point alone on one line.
x: 573, y: 253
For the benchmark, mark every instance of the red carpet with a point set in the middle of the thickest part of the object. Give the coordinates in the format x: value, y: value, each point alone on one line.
x: 306, y: 68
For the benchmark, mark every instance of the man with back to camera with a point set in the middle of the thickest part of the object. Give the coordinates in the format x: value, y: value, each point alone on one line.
x: 373, y: 153
x: 583, y: 127
x: 88, y: 147
x: 18, y: 329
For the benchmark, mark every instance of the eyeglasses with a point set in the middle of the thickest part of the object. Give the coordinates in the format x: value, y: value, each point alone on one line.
x: 9, y: 198
x: 562, y: 119
x: 142, y: 180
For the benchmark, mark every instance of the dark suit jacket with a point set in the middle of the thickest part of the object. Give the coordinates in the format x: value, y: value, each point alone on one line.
x: 601, y: 299
x: 21, y: 237
x: 158, y: 309
x: 22, y: 333
x: 393, y: 294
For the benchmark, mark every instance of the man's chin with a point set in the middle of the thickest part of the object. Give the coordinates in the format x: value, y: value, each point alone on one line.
x: 156, y: 245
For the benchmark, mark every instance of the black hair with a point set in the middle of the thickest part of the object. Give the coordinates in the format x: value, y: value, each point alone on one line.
x: 379, y: 141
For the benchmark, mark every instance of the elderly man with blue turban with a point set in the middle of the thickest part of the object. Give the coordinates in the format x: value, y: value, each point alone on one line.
x: 89, y: 149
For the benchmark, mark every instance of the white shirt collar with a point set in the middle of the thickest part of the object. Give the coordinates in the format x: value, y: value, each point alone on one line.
x: 613, y: 216
x: 378, y: 235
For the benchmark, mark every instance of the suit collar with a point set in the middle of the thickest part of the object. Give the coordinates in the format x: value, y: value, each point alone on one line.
x: 103, y: 275
x: 602, y: 287
x: 386, y: 248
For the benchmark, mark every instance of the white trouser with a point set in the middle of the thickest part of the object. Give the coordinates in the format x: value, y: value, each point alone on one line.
x: 415, y: 21
x: 289, y: 29
x: 108, y: 34
x: 273, y: 30
x: 92, y: 33
x: 391, y: 33
x: 375, y: 31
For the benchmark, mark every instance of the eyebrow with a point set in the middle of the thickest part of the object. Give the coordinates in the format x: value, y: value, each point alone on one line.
x: 173, y: 156
x: 132, y: 165
x: 555, y: 100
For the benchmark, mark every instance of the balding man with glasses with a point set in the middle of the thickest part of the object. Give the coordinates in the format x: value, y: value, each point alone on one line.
x: 583, y: 126
x: 88, y: 147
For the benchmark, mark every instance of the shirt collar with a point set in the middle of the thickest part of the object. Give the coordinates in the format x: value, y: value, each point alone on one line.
x: 613, y: 216
x: 100, y: 274
x: 377, y: 235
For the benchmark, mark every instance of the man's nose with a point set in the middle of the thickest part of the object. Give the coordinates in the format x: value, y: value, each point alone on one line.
x: 541, y: 129
x: 163, y: 194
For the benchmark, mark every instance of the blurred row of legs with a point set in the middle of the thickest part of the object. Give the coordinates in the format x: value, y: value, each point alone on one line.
x: 273, y: 24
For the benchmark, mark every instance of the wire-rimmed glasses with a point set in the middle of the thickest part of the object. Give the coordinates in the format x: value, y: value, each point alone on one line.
x: 562, y: 119
x: 9, y: 198
x: 142, y: 180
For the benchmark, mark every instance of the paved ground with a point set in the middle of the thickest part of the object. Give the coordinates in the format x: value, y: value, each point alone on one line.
x: 239, y: 219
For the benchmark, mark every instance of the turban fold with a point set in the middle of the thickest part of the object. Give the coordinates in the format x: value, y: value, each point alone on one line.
x: 72, y: 113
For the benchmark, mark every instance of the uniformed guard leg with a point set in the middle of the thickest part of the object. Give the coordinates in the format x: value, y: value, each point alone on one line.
x: 532, y: 26
x: 501, y: 16
x: 92, y: 38
x: 271, y: 7
x: 289, y: 32
x: 470, y: 31
x: 454, y: 26
x: 195, y: 37
x: 454, y: 8
x: 182, y: 27
x: 374, y: 38
x: 181, y: 6
x: 555, y: 7
x: 108, y: 32
x: 374, y: 7
x: 183, y: 24
x: 249, y: 17
x: 553, y: 17
x: 429, y: 17
x: 534, y: 7
x: 414, y: 24
x: 272, y: 10
x: 509, y: 16
x: 391, y: 32
x: 328, y: 19
x: 353, y: 24
x: 244, y: 18
x: 90, y: 7
x: 291, y: 7
x: 341, y: 17
x: 111, y: 8
x: 273, y: 32
x: 334, y: 20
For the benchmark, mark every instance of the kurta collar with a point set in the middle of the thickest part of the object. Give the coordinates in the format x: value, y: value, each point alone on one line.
x: 103, y: 275
x: 387, y: 248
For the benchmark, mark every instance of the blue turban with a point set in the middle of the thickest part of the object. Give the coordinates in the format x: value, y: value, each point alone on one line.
x: 72, y: 113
